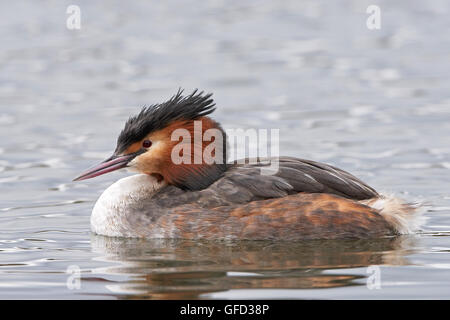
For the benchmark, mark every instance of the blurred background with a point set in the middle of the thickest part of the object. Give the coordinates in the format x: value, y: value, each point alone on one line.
x: 373, y: 102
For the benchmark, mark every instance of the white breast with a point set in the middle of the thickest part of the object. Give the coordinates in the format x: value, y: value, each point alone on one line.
x: 109, y: 216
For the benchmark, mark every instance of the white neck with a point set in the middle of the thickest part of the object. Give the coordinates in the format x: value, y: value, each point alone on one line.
x: 109, y: 213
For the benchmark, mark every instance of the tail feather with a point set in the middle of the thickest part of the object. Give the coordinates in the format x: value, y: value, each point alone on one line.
x: 405, y: 217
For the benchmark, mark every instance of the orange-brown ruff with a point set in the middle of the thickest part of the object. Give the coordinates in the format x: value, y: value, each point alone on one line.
x: 303, y: 200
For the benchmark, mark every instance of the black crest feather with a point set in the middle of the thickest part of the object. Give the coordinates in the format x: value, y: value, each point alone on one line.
x: 158, y: 116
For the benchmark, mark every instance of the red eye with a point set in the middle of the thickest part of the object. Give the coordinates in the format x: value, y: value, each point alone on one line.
x: 147, y: 144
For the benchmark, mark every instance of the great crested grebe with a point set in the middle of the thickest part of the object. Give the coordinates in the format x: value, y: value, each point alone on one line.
x: 304, y: 199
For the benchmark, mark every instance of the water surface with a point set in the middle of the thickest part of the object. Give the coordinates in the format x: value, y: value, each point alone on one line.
x: 374, y: 103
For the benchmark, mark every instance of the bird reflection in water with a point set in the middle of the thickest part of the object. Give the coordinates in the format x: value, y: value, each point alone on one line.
x: 180, y: 269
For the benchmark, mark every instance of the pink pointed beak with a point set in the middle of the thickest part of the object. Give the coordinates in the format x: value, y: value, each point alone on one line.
x: 111, y: 164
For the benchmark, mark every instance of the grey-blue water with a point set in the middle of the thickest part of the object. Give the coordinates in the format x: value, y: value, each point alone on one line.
x: 373, y: 102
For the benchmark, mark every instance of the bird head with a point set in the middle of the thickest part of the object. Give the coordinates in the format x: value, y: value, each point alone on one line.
x: 175, y: 141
